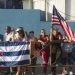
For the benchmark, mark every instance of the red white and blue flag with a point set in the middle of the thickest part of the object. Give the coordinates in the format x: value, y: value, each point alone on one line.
x: 14, y: 53
x: 57, y: 19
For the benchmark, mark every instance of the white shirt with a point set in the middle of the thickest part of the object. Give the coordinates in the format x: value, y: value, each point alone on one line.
x: 8, y: 36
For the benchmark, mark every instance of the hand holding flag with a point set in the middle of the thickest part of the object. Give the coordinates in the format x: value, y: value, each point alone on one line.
x: 57, y: 19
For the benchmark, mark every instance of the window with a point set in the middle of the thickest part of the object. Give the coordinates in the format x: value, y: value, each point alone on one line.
x: 2, y: 4
x: 17, y: 4
x: 11, y: 4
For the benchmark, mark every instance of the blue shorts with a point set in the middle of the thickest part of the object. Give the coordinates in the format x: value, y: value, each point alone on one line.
x: 67, y: 47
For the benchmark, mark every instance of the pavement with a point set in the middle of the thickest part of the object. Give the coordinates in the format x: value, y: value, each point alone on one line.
x: 38, y: 71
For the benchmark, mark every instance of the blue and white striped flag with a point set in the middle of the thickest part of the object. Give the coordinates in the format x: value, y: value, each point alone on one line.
x: 14, y: 53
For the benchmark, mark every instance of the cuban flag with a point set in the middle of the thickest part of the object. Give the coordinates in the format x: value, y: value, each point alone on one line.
x: 14, y: 53
x: 57, y: 19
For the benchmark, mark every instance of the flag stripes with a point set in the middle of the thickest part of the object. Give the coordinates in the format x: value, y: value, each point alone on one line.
x: 14, y: 53
x: 57, y: 19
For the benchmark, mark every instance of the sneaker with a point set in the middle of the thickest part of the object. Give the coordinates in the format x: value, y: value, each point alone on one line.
x: 33, y: 73
x: 70, y: 73
x: 53, y: 73
x: 64, y: 72
x: 45, y: 74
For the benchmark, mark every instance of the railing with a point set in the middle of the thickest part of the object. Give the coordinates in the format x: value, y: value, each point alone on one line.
x: 59, y: 66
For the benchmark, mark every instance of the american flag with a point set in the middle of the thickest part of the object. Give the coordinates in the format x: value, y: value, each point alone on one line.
x: 57, y: 19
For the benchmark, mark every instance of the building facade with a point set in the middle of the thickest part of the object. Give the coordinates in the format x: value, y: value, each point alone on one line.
x: 65, y: 7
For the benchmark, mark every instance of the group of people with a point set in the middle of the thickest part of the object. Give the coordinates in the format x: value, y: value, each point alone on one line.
x: 47, y: 46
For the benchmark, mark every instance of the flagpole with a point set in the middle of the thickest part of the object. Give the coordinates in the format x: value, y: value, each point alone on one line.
x: 50, y: 54
x: 50, y: 44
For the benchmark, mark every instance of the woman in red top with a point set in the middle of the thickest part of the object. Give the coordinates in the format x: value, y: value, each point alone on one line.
x: 45, y: 49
